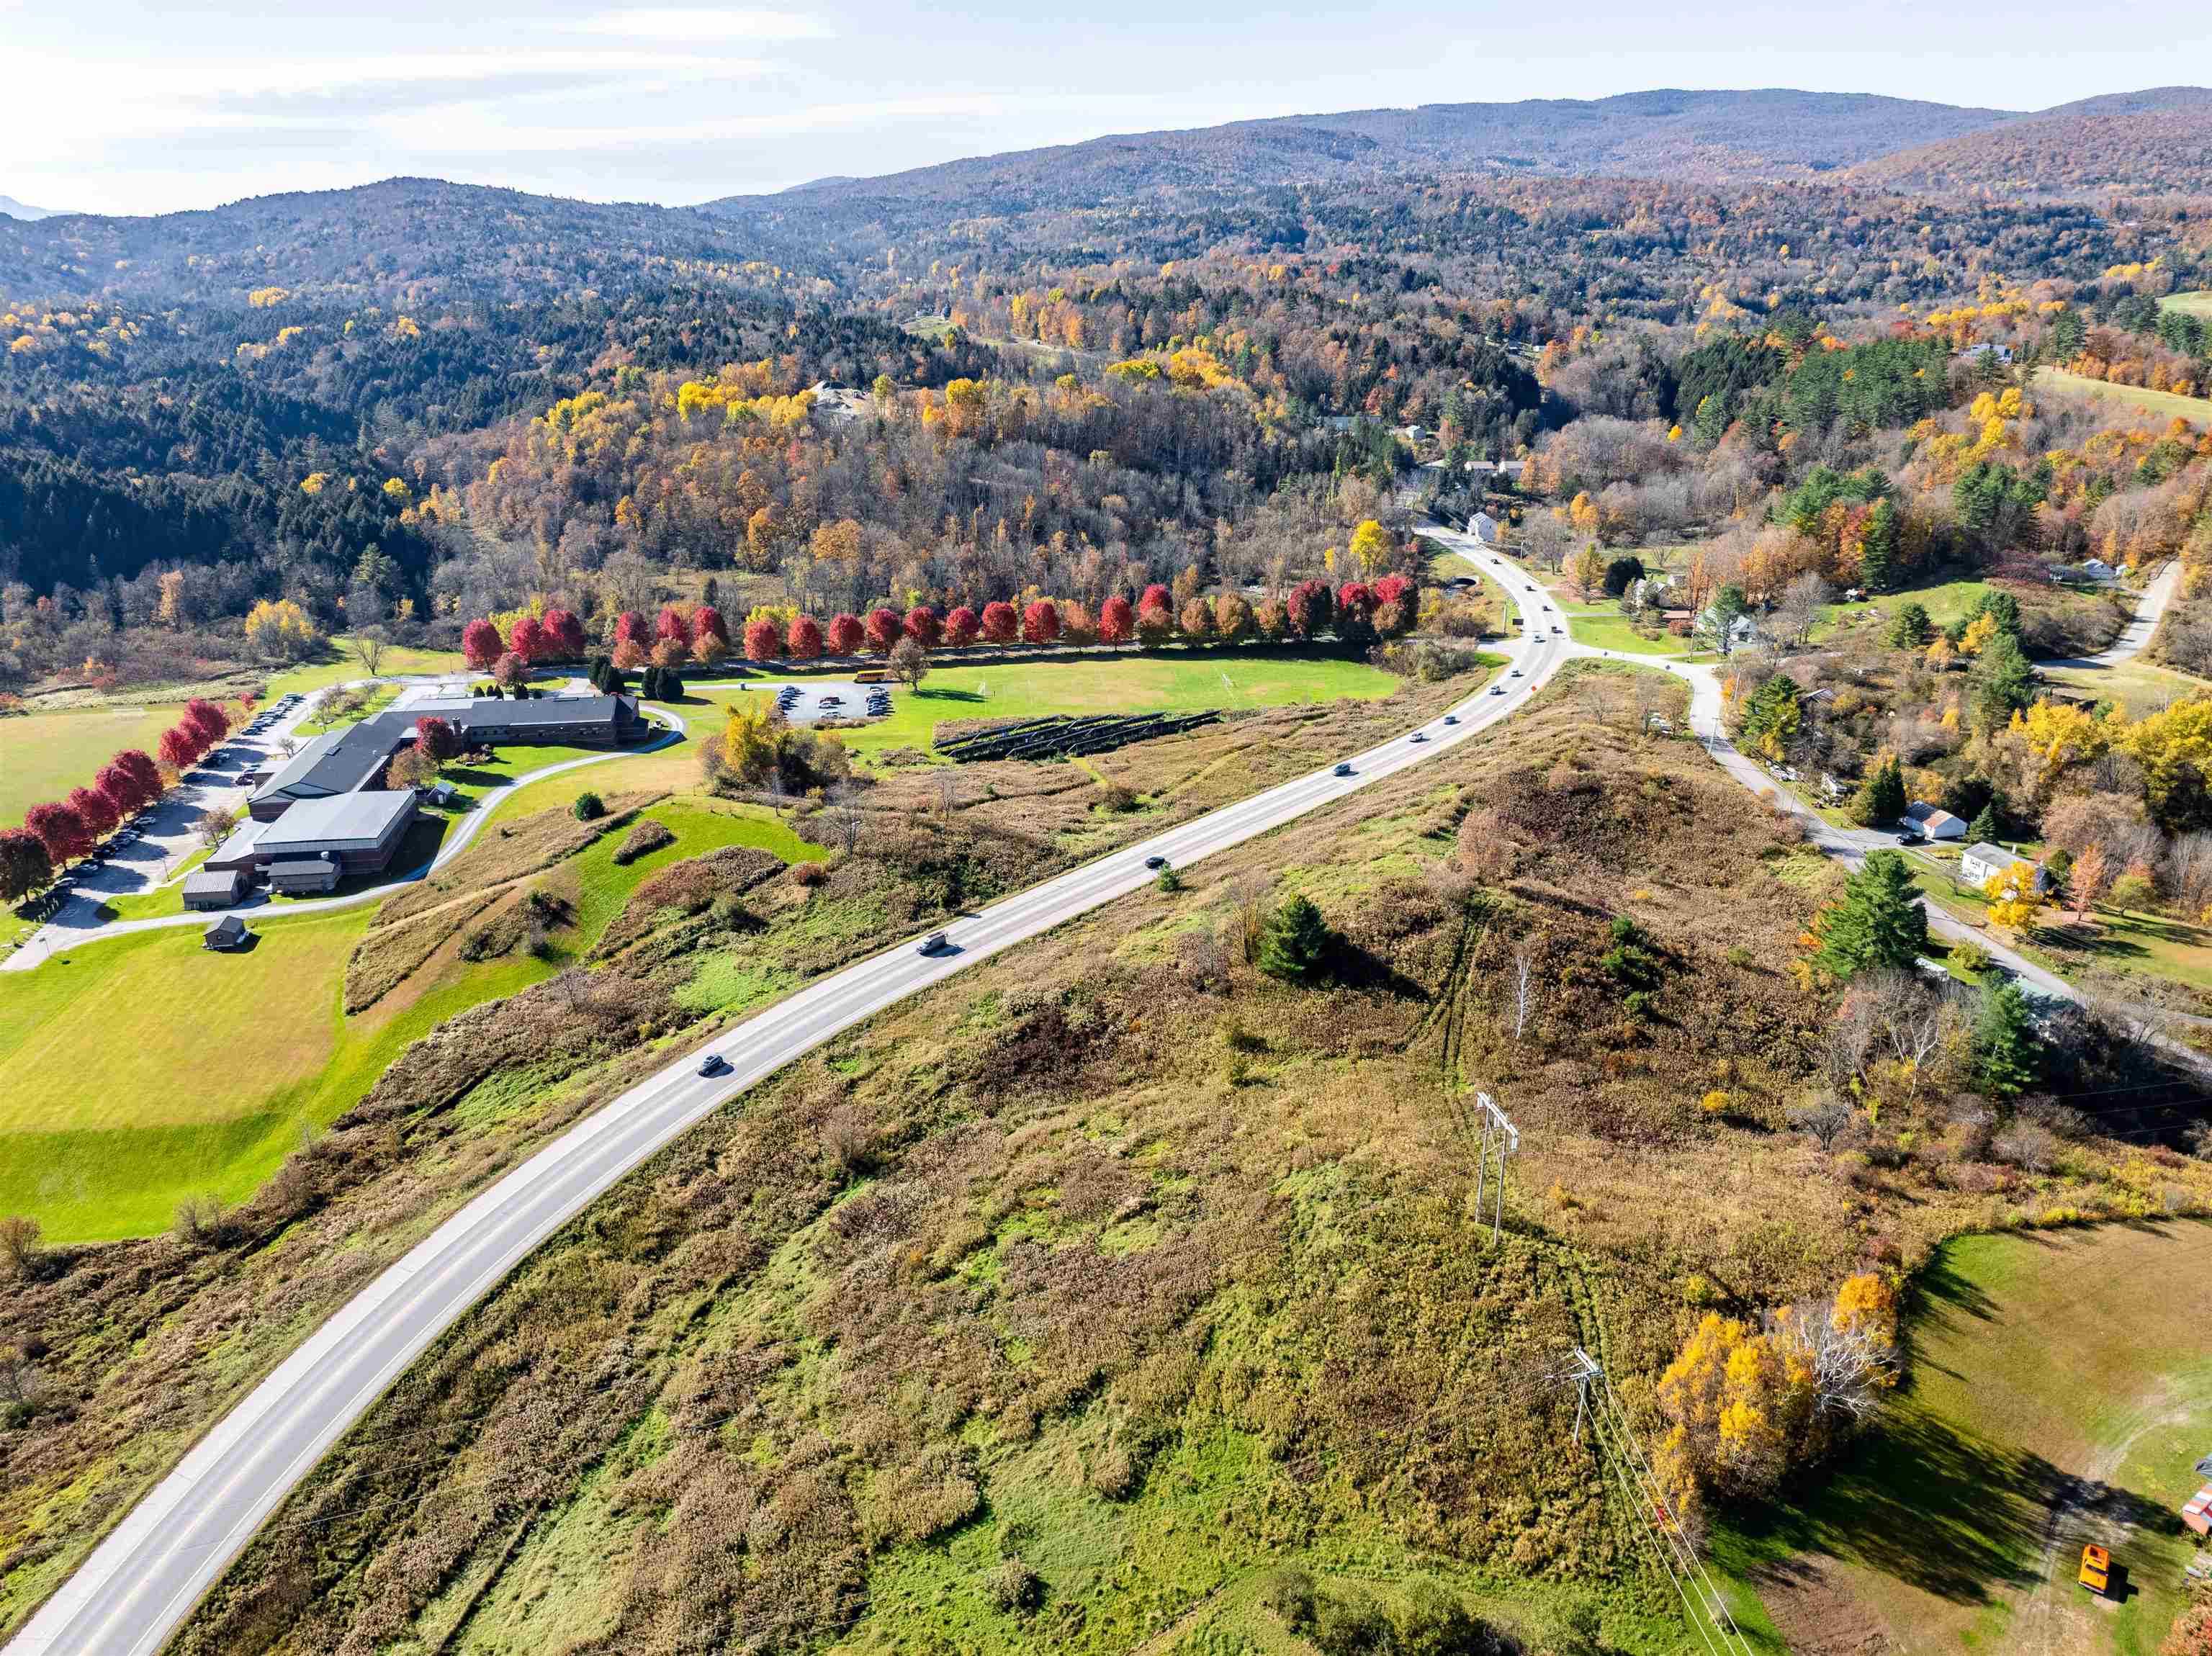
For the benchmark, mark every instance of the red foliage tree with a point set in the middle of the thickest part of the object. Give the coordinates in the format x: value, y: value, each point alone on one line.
x: 1355, y: 611
x: 60, y: 830
x: 179, y: 747
x: 120, y: 787
x: 923, y: 627
x: 24, y: 865
x: 1117, y: 623
x: 1155, y: 597
x: 763, y: 639
x: 145, y: 775
x: 511, y: 669
x: 885, y: 629
x: 96, y: 810
x: 629, y: 655
x: 707, y: 619
x: 845, y: 636
x: 1040, y: 621
x: 804, y: 640
x: 528, y: 639
x: 1310, y: 608
x: 1397, y: 606
x: 1000, y: 622
x: 207, y: 718
x: 437, y: 741
x: 961, y: 627
x: 480, y: 644
x: 631, y: 629
x: 564, y: 635
x: 672, y: 626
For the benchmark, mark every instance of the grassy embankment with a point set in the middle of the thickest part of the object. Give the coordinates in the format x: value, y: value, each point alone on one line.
x: 2060, y: 1393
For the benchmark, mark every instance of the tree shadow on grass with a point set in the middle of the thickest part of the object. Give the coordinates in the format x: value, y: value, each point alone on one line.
x: 946, y: 694
x: 1919, y: 1500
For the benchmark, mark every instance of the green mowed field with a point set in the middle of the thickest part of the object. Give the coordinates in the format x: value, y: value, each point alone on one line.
x: 44, y: 755
x: 145, y: 1070
x: 1132, y: 683
x: 342, y: 667
x: 2061, y: 1391
x: 2163, y: 403
x: 2196, y: 304
x: 1604, y: 632
x: 1945, y: 603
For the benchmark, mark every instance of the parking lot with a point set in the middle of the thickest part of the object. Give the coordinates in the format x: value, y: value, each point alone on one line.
x: 149, y: 849
x: 811, y: 703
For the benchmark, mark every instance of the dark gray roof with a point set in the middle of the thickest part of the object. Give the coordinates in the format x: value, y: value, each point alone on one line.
x: 322, y: 864
x: 340, y: 761
x: 230, y: 926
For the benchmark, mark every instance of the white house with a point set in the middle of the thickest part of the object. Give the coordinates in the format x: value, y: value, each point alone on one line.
x: 1981, y: 863
x: 1935, y: 822
x: 1484, y: 528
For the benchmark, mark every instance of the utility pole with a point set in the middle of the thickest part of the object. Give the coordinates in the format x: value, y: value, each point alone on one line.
x: 1499, y: 1133
x: 1582, y: 1369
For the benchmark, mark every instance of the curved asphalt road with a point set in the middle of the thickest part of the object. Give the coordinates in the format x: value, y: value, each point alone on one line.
x: 135, y: 1588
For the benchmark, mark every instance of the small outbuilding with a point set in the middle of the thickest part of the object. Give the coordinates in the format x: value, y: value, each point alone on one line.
x: 226, y: 935
x: 1933, y: 821
x: 214, y: 888
x: 1484, y: 528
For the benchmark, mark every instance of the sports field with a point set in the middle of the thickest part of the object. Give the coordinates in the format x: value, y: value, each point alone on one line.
x: 44, y: 755
x: 2061, y: 1392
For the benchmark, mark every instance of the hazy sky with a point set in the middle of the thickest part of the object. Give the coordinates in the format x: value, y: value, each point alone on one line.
x: 128, y: 107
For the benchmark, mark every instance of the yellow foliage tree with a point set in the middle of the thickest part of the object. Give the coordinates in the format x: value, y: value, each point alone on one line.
x: 281, y: 630
x: 2015, y: 903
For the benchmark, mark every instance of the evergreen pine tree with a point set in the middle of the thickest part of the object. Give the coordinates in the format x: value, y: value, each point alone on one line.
x: 1876, y: 922
x: 1880, y: 797
x: 1878, y: 549
x: 1985, y: 828
x: 1294, y: 941
x: 1771, y: 716
x: 2003, y: 682
x: 2008, y: 1058
x: 1912, y: 630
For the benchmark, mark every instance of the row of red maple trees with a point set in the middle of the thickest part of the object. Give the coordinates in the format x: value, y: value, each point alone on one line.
x: 54, y: 835
x: 1354, y: 612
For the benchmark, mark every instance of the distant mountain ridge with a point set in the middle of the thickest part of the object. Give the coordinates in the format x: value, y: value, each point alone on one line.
x: 12, y: 209
x: 2153, y: 143
x: 1709, y: 137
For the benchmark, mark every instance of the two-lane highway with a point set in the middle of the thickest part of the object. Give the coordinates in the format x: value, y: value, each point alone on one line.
x: 143, y: 1579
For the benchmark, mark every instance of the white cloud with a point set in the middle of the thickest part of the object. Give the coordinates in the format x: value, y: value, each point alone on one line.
x: 672, y: 24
